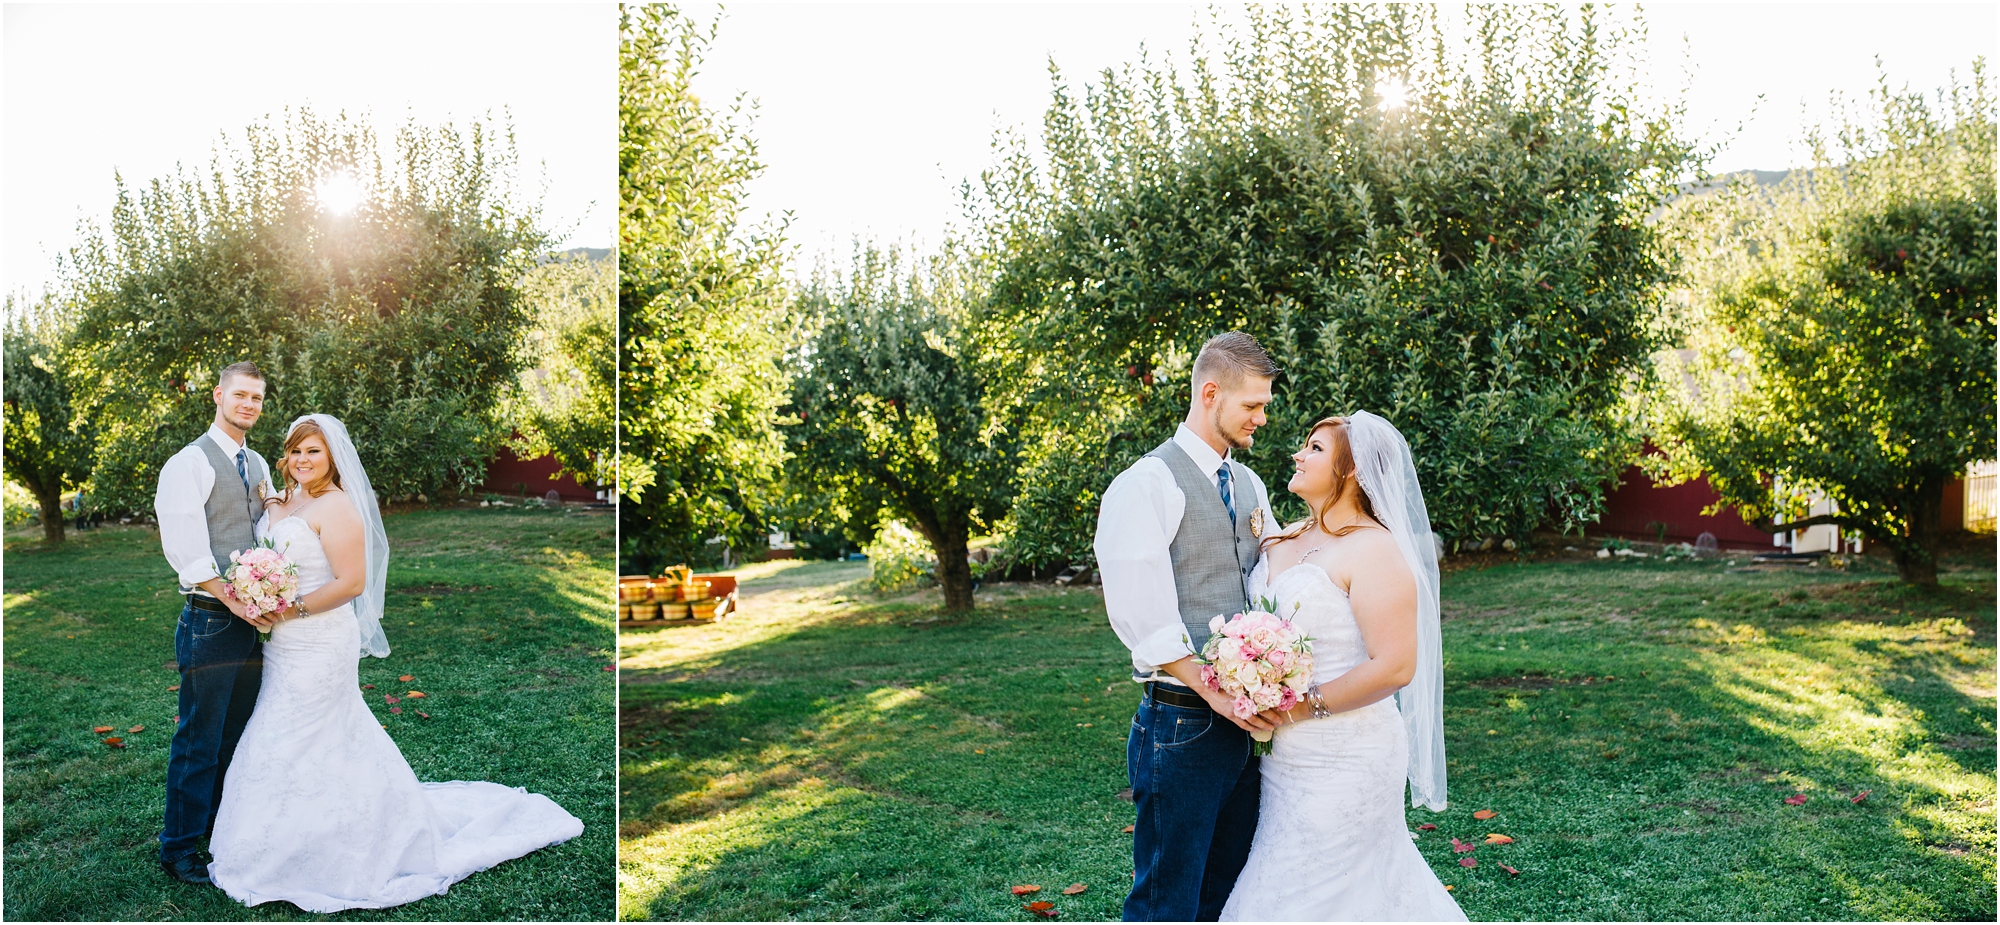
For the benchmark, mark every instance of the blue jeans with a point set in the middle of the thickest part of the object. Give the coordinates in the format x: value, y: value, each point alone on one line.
x: 1196, y: 786
x: 222, y: 664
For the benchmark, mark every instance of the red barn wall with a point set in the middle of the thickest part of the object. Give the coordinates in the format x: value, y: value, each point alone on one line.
x: 507, y: 472
x: 1637, y: 503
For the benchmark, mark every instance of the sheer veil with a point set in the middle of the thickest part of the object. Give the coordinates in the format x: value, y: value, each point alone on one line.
x: 1382, y: 462
x: 354, y: 481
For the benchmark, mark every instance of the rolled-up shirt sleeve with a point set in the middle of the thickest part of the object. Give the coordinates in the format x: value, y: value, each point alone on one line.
x: 1140, y: 514
x: 178, y: 504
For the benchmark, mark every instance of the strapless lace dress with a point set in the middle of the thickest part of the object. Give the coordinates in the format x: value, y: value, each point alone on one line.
x: 1331, y: 842
x: 319, y: 808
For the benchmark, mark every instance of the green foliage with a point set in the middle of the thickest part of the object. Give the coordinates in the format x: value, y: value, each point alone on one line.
x: 564, y: 402
x: 400, y: 317
x: 898, y: 558
x: 901, y: 414
x: 48, y: 441
x: 21, y: 505
x: 1476, y: 265
x: 705, y: 313
x: 1842, y: 326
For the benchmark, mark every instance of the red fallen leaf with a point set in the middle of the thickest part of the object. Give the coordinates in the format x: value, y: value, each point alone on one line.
x: 1484, y: 815
x: 367, y: 687
x: 1074, y: 889
x: 100, y: 730
x: 395, y: 709
x: 174, y: 687
x: 115, y: 742
x: 1468, y: 862
x: 1495, y: 839
x: 177, y: 719
x: 611, y: 668
x: 1796, y: 799
x: 418, y: 695
x: 139, y: 728
x: 1043, y: 908
x: 1427, y: 827
x: 1026, y: 888
x: 407, y: 677
x: 1857, y: 798
x: 423, y: 714
x: 1510, y: 871
x: 1461, y: 847
x: 1127, y: 830
x: 392, y: 698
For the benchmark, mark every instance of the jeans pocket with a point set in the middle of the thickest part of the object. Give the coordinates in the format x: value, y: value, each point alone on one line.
x: 208, y: 624
x: 1183, y: 730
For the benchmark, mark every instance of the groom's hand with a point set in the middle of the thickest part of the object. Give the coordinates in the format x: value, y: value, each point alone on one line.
x: 1187, y: 672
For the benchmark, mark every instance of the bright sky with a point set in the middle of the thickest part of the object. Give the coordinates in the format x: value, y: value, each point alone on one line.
x: 869, y: 116
x: 93, y: 89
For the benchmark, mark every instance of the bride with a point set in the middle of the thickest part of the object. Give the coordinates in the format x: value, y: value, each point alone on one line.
x: 319, y: 808
x: 1360, y: 577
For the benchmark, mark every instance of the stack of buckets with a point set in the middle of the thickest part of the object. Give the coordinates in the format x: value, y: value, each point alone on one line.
x: 675, y: 595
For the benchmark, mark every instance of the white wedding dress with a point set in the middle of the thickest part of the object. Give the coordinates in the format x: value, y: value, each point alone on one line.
x: 319, y: 808
x: 1331, y: 842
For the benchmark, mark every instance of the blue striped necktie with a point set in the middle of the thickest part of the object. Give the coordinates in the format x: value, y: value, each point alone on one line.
x: 242, y: 471
x: 1222, y: 484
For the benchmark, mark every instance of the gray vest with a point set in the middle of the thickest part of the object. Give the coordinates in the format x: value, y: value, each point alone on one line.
x: 232, y: 508
x: 1212, y: 556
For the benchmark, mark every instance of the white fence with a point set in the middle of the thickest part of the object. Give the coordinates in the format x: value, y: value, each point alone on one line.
x: 1980, y: 507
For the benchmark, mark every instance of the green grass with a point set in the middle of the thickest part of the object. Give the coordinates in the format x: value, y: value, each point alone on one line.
x: 502, y: 616
x: 1636, y: 724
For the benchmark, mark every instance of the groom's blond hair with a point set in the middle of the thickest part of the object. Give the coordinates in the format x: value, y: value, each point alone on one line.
x: 1227, y: 359
x: 239, y: 368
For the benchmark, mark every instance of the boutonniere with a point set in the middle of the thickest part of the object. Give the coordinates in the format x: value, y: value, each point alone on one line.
x: 264, y: 490
x: 1257, y: 523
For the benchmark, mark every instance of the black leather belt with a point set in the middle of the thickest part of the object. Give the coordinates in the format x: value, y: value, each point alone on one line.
x: 1175, y: 696
x: 209, y: 604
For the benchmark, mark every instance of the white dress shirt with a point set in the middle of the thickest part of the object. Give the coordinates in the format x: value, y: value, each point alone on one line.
x: 1135, y: 525
x: 179, y: 504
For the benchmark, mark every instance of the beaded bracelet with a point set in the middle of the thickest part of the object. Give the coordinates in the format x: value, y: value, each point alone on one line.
x: 1318, y: 706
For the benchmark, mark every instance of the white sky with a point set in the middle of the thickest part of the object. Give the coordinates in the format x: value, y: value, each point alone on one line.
x: 90, y: 89
x: 869, y: 116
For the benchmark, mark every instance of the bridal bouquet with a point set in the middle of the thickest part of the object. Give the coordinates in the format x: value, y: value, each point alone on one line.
x: 264, y: 580
x: 1260, y: 659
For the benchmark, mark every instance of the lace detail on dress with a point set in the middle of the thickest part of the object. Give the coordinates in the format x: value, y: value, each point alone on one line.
x: 1331, y: 841
x: 319, y: 808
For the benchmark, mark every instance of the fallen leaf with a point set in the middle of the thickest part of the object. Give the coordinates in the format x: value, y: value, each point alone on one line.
x: 139, y: 728
x: 115, y: 742
x: 100, y: 730
x: 1857, y: 798
x: 1074, y: 889
x: 1484, y: 815
x: 611, y: 668
x: 1461, y: 847
x: 174, y: 687
x: 1043, y: 908
x: 1498, y: 840
x: 1468, y: 862
x: 407, y: 677
x: 417, y: 695
x: 1510, y: 871
x: 177, y: 719
x: 1427, y: 827
x: 367, y: 687
x: 395, y: 709
x: 392, y: 698
x: 1026, y: 888
x: 1128, y: 830
x: 1448, y: 888
x: 423, y: 714
x: 979, y: 751
x: 1796, y: 799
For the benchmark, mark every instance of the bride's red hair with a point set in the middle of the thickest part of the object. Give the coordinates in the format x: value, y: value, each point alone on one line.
x: 1343, y: 468
x: 319, y: 485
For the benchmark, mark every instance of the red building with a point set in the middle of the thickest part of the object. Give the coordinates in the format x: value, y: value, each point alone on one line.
x: 1638, y: 507
x: 512, y: 476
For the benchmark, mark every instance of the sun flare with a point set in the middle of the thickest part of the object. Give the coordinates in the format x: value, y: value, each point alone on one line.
x: 339, y: 193
x: 1393, y: 93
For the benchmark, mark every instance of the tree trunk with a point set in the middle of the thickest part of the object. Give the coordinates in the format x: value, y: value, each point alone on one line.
x: 953, y: 573
x: 52, y: 522
x: 1917, y: 555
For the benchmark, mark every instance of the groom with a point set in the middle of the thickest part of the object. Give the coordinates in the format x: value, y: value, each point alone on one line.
x: 207, y: 504
x: 1176, y: 538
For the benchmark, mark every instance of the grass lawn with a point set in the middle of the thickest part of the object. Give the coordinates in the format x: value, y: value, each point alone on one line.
x: 1636, y: 724
x: 503, y: 617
